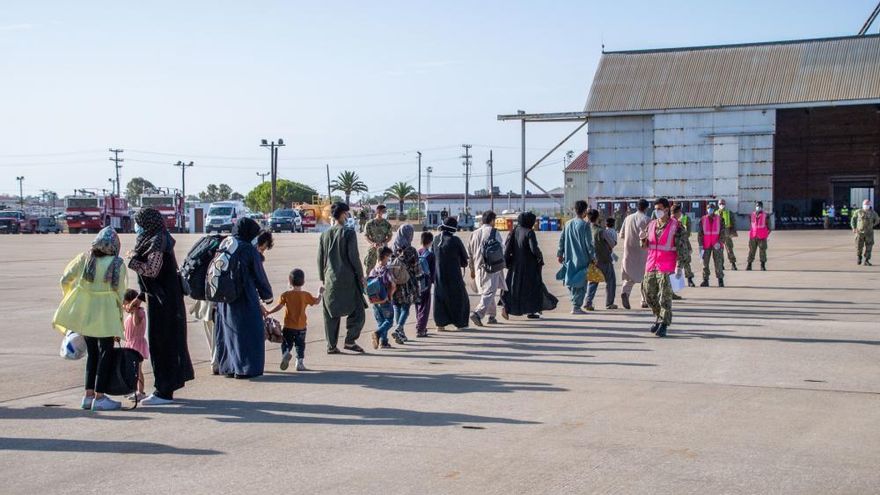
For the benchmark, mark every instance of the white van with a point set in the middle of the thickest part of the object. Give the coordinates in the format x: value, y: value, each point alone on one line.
x: 223, y: 215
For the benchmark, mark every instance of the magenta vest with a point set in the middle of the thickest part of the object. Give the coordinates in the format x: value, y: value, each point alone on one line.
x: 711, y: 231
x: 661, y: 252
x: 759, y: 228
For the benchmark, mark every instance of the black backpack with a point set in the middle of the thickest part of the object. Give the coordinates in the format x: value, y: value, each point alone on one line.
x: 123, y: 371
x: 194, y: 269
x: 223, y: 279
x: 493, y: 254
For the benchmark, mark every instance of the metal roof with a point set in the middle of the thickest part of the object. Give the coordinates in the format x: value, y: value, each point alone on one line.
x: 580, y: 163
x: 780, y: 73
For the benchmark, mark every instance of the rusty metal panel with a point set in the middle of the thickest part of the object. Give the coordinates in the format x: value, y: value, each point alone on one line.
x: 824, y: 70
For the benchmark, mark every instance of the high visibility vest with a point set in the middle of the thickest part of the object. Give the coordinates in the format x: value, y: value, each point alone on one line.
x: 759, y: 228
x: 711, y: 231
x: 824, y: 212
x: 844, y: 212
x: 661, y: 251
x: 684, y: 221
x: 725, y: 216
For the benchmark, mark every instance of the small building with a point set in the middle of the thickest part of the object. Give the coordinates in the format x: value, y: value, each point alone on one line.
x: 794, y: 124
x: 576, y: 180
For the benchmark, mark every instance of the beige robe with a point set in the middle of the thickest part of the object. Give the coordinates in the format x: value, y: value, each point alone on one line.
x: 634, y: 255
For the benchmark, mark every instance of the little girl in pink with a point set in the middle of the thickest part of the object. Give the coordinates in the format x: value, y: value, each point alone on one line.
x: 136, y: 335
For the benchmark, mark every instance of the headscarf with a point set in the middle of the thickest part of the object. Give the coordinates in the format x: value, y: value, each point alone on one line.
x: 107, y: 243
x: 403, y: 238
x: 155, y: 236
x: 246, y: 229
x: 450, y: 225
x: 527, y: 220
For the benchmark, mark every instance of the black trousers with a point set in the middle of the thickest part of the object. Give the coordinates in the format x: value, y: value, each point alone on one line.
x: 98, y: 363
x: 294, y: 340
x: 354, y: 323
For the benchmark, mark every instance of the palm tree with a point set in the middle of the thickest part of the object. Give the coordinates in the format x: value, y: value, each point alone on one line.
x: 401, y: 192
x: 348, y: 182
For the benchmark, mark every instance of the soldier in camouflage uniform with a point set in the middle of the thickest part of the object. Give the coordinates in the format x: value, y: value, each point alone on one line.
x: 378, y: 232
x: 728, y: 224
x: 685, y: 222
x: 656, y: 287
x: 711, y: 236
x: 863, y: 222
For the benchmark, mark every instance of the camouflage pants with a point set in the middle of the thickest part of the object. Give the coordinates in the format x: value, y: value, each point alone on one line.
x: 757, y: 245
x: 717, y: 256
x: 864, y: 245
x: 728, y: 244
x: 686, y: 265
x: 371, y: 259
x: 657, y: 292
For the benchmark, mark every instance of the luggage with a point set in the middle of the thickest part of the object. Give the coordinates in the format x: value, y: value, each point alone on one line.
x: 222, y: 281
x: 376, y: 291
x: 123, y: 371
x: 399, y: 271
x: 193, y: 271
x: 273, y: 330
x: 493, y: 253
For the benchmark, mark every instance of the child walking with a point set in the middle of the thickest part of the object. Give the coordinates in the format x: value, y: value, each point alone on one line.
x: 295, y: 301
x: 136, y: 336
x: 426, y: 280
x: 381, y: 299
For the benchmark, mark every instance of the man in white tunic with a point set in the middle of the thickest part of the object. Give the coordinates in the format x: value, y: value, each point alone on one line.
x: 634, y: 255
x: 488, y: 284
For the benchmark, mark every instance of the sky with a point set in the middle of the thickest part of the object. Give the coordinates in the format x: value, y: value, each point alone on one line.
x: 357, y: 85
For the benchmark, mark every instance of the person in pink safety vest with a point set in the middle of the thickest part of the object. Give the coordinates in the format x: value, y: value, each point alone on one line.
x: 666, y: 241
x: 711, y: 236
x: 758, y: 235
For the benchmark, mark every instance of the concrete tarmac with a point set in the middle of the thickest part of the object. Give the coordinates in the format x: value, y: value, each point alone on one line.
x: 769, y: 385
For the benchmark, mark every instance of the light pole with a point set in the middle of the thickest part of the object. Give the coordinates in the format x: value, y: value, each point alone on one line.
x: 20, y: 191
x: 182, y: 204
x: 273, y: 163
x: 112, y: 182
x: 419, y: 202
x: 263, y: 176
x: 429, y: 170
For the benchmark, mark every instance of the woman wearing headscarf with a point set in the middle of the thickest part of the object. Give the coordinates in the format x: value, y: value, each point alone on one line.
x: 451, y: 303
x: 524, y: 262
x: 241, y: 350
x: 406, y: 294
x: 154, y: 261
x: 93, y: 285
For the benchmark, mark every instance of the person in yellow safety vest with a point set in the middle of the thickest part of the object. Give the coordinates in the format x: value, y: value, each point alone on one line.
x: 729, y: 224
x: 844, y: 214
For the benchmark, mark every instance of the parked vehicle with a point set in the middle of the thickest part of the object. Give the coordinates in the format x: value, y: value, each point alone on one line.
x: 15, y: 222
x: 223, y: 215
x: 309, y: 216
x: 169, y: 205
x: 93, y: 213
x: 47, y: 225
x: 286, y: 219
x: 259, y: 218
x: 466, y: 222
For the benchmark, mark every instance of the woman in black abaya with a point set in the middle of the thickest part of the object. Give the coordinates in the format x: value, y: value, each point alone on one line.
x: 524, y: 262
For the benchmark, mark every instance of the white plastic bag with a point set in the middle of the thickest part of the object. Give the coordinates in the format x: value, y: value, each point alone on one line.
x: 73, y: 346
x: 677, y: 281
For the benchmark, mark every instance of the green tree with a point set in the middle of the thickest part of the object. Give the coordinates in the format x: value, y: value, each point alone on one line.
x: 401, y: 192
x: 287, y: 192
x: 348, y: 182
x: 137, y: 187
x: 220, y: 192
x: 236, y: 196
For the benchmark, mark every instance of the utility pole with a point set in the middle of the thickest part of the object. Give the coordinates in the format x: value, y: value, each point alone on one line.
x: 116, y: 162
x: 112, y: 182
x: 467, y: 173
x: 430, y: 170
x: 329, y: 196
x: 273, y: 163
x: 263, y: 176
x: 183, y: 167
x: 523, y: 178
x: 419, y: 215
x: 20, y: 192
x: 491, y: 183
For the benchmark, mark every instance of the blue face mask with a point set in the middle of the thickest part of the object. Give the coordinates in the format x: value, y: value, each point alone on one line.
x: 138, y: 229
x: 711, y: 211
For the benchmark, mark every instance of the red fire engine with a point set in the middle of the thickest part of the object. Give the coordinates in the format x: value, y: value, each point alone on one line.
x: 91, y: 213
x: 169, y: 205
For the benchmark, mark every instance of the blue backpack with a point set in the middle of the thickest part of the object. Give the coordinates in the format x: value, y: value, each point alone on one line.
x: 425, y: 276
x: 376, y: 291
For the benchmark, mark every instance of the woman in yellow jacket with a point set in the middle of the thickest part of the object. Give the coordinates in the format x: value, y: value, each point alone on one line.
x: 94, y: 284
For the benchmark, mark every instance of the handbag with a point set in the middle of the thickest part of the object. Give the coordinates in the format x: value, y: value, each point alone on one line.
x: 123, y: 367
x: 273, y: 330
x: 594, y: 274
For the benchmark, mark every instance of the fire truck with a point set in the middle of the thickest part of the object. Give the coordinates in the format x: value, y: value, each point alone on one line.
x: 169, y: 205
x: 91, y: 213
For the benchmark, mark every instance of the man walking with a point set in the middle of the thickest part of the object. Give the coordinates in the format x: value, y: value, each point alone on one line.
x: 728, y: 223
x: 603, y: 246
x: 758, y: 234
x: 340, y: 270
x: 378, y: 232
x: 634, y: 254
x: 665, y: 241
x: 685, y: 223
x: 575, y: 254
x: 863, y: 222
x: 484, y: 270
x: 711, y: 239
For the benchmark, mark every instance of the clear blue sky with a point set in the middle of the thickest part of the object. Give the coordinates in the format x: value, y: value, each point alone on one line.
x: 205, y: 81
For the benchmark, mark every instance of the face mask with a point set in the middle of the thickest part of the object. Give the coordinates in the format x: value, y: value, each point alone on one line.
x: 866, y: 207
x: 254, y: 241
x: 660, y: 213
x: 710, y: 211
x: 721, y: 207
x: 758, y: 208
x: 138, y: 229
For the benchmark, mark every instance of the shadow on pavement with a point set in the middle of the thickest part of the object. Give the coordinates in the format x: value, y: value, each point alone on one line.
x: 66, y: 413
x: 97, y: 446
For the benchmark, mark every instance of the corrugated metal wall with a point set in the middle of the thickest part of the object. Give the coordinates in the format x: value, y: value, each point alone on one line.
x: 725, y: 154
x: 575, y: 188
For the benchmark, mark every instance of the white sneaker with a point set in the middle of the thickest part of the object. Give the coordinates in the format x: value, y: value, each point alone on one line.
x: 154, y: 400
x: 137, y: 396
x: 105, y: 404
x: 300, y: 366
x: 285, y: 361
x: 87, y: 402
x: 578, y: 311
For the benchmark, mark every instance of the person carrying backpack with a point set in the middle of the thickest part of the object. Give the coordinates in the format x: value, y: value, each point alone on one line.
x: 427, y: 261
x: 486, y: 263
x: 380, y: 290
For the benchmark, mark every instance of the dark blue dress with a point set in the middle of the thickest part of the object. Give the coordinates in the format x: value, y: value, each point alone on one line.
x: 240, y: 336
